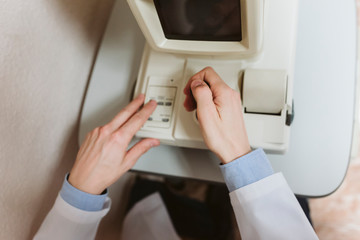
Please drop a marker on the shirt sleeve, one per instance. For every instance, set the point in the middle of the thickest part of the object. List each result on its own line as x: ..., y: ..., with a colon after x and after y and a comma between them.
x: 247, y: 169
x: 82, y: 200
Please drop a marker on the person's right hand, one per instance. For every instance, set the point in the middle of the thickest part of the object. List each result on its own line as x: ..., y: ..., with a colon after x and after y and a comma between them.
x: 219, y: 112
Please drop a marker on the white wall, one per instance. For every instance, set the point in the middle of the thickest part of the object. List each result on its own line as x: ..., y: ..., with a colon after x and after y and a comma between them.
x: 47, y: 48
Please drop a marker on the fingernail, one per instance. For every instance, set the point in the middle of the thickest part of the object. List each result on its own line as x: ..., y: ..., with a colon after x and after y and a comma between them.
x: 155, y: 144
x: 196, y: 83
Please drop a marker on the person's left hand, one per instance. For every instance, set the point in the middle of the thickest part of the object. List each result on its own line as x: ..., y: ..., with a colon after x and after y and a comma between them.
x: 103, y: 157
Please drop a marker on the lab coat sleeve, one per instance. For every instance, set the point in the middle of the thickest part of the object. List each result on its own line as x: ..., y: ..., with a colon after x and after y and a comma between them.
x: 67, y: 222
x: 267, y: 209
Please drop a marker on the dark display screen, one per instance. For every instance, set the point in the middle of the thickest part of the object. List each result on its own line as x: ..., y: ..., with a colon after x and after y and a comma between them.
x: 204, y: 20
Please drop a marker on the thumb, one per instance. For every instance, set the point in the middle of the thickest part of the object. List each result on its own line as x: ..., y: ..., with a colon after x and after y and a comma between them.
x: 206, y: 109
x: 139, y: 149
x: 202, y: 94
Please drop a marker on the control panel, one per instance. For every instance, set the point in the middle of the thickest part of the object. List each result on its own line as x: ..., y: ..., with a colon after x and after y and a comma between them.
x: 165, y: 98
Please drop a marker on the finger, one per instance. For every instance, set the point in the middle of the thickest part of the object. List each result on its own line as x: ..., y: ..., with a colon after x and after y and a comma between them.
x: 208, y: 75
x: 140, y: 148
x: 190, y: 103
x: 126, y: 113
x: 206, y: 108
x: 134, y: 124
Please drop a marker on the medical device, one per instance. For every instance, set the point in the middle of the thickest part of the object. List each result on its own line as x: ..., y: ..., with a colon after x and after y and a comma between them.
x: 249, y: 43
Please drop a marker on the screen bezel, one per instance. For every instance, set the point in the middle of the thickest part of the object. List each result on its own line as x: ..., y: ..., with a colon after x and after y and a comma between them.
x: 196, y: 37
x: 252, y: 23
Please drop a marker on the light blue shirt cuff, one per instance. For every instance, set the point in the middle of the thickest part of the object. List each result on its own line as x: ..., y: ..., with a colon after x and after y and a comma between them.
x: 247, y: 169
x: 82, y: 200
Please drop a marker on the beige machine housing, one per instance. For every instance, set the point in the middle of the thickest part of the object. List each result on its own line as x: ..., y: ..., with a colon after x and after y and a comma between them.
x: 260, y: 67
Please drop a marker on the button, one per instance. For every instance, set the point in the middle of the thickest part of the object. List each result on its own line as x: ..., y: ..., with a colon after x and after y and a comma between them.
x: 150, y: 119
x: 160, y: 103
x: 168, y: 103
x: 165, y: 120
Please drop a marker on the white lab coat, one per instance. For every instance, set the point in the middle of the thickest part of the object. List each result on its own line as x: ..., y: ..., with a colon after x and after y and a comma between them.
x: 266, y: 209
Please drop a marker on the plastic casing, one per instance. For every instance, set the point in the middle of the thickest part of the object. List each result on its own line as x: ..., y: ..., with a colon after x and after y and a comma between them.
x: 269, y: 33
x: 252, y: 32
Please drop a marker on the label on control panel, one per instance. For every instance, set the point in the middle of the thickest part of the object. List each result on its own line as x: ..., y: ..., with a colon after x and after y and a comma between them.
x: 165, y: 98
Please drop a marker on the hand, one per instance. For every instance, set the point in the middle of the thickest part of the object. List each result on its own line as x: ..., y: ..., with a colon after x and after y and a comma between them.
x: 219, y: 112
x: 103, y: 157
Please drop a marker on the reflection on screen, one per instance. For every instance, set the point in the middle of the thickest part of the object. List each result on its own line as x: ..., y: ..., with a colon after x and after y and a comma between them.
x: 206, y: 20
